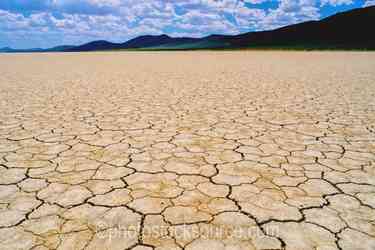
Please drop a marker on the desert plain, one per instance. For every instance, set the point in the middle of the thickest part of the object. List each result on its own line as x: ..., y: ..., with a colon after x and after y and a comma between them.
x: 187, y: 150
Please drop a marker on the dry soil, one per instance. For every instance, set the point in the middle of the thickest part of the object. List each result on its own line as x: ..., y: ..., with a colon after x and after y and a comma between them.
x: 187, y: 150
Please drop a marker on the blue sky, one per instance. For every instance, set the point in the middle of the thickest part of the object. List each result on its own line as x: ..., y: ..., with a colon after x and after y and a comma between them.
x: 47, y: 23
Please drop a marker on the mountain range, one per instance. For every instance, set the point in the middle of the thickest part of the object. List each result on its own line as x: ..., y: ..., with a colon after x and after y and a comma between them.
x: 345, y: 30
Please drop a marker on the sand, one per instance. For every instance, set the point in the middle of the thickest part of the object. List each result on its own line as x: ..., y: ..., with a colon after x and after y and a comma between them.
x: 187, y: 150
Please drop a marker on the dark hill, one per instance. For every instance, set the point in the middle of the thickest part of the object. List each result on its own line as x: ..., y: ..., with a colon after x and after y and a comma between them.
x: 135, y: 43
x: 344, y: 30
x: 151, y: 41
x: 95, y: 46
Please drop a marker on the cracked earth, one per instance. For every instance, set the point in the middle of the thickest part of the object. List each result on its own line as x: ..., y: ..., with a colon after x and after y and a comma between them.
x: 187, y: 150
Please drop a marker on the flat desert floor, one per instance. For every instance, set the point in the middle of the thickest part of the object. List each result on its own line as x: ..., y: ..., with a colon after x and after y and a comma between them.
x: 187, y: 150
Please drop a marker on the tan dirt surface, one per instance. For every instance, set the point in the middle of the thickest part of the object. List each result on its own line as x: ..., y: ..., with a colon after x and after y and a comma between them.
x: 187, y: 150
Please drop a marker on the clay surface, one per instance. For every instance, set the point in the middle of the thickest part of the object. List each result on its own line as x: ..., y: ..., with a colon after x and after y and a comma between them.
x: 187, y: 150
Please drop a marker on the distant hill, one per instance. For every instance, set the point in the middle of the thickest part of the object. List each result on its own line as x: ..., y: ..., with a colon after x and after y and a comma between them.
x: 135, y: 43
x: 95, y: 46
x: 5, y: 49
x: 10, y: 50
x: 346, y: 30
x: 61, y: 48
x: 152, y: 41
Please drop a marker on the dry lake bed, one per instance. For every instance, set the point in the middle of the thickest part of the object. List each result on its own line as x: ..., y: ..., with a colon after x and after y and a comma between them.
x: 187, y: 150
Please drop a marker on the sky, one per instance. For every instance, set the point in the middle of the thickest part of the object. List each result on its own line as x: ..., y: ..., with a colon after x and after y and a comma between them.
x: 47, y: 23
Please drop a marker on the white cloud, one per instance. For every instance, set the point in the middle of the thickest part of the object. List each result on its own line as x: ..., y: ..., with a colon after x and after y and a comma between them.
x: 369, y: 3
x: 336, y: 2
x: 288, y: 12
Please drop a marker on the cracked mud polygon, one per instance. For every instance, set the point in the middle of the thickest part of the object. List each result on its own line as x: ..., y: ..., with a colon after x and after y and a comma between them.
x: 187, y: 150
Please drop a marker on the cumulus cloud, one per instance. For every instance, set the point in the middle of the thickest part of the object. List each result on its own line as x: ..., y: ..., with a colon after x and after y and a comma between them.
x: 336, y: 2
x: 290, y: 12
x: 369, y: 3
